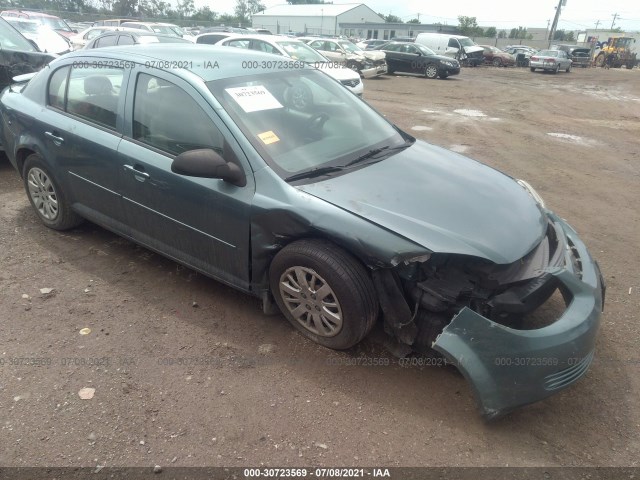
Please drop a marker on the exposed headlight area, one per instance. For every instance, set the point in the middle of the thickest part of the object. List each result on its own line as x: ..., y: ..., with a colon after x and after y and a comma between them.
x: 531, y: 191
x: 448, y: 63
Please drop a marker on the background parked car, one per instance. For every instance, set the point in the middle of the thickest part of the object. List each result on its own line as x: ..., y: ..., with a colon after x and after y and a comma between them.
x: 299, y: 51
x: 161, y: 28
x: 79, y: 40
x: 497, y: 57
x: 368, y: 63
x: 130, y: 37
x: 211, y: 38
x: 415, y: 58
x: 521, y: 53
x: 47, y: 40
x: 51, y: 21
x: 371, y: 44
x: 18, y: 55
x: 550, y: 60
x: 580, y: 56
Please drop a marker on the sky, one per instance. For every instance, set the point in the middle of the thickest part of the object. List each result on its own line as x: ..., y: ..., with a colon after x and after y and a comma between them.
x: 503, y: 14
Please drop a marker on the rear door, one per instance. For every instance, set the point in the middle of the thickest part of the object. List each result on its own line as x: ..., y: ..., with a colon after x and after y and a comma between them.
x: 81, y: 127
x: 201, y: 222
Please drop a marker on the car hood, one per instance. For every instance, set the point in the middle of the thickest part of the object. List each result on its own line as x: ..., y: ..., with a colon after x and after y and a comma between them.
x: 374, y: 55
x: 337, y: 72
x: 441, y: 200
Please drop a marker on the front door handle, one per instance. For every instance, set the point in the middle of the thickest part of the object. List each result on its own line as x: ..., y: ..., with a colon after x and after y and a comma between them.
x: 56, y: 139
x: 139, y: 174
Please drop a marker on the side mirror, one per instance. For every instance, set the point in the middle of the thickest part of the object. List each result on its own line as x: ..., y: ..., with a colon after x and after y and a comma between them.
x: 206, y: 163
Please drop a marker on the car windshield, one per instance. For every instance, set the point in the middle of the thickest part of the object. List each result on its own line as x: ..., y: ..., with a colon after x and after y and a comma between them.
x: 177, y: 30
x: 350, y: 47
x: 10, y: 39
x: 163, y: 29
x: 548, y: 53
x: 424, y: 50
x: 303, y: 121
x: 301, y: 51
x: 466, y: 42
x: 25, y: 26
x: 55, y: 23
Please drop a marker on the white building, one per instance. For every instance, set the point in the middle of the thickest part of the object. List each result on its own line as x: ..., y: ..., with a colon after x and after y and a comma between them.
x: 319, y: 19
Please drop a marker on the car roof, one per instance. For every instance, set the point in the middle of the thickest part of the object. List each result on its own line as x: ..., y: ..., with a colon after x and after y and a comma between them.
x: 30, y: 14
x: 199, y: 57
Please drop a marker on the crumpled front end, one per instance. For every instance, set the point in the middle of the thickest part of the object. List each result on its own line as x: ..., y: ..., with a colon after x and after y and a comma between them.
x: 518, y: 333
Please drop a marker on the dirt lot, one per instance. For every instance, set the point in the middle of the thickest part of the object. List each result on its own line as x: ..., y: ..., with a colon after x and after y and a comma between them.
x: 249, y: 390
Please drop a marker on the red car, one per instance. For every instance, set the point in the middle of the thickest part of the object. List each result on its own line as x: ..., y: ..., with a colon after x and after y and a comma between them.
x: 497, y: 57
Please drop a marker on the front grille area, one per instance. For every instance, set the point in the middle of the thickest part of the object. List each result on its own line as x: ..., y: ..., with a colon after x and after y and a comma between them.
x: 566, y: 377
x: 351, y: 83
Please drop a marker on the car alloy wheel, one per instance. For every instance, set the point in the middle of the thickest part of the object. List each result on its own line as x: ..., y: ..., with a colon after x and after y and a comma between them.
x: 43, y: 194
x: 497, y: 62
x: 431, y: 71
x: 46, y: 196
x: 311, y: 301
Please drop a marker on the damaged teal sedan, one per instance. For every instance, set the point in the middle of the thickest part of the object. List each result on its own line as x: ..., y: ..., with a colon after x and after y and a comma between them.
x: 271, y: 177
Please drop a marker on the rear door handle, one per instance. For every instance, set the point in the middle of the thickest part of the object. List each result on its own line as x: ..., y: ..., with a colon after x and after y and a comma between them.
x: 56, y: 139
x: 140, y: 175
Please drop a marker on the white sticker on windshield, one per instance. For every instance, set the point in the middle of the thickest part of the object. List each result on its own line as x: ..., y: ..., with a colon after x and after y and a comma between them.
x: 254, y: 99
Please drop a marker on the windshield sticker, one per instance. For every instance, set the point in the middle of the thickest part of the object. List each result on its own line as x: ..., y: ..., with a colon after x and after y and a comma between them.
x: 268, y: 137
x: 254, y: 99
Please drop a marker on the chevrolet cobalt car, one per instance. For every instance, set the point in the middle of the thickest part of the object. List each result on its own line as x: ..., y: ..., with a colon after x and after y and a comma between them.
x: 271, y: 177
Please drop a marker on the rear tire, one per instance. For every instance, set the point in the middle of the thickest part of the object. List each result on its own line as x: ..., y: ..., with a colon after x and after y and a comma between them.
x: 497, y: 62
x: 324, y: 292
x: 569, y: 68
x: 532, y: 69
x: 46, y: 196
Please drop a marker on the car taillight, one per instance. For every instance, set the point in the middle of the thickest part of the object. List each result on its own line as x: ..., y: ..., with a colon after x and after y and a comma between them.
x: 551, y: 60
x: 534, y: 58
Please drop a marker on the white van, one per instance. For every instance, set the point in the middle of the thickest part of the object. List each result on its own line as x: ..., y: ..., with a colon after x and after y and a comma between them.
x: 455, y: 46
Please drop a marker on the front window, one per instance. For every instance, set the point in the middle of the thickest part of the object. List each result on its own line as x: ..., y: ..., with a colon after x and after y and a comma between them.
x: 302, y: 120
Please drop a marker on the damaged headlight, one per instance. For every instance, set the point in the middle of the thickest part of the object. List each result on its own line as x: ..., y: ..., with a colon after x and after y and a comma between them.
x: 535, y: 195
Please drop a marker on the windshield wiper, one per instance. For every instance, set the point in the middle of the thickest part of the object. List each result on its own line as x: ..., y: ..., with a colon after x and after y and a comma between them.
x: 315, y: 172
x: 376, y: 151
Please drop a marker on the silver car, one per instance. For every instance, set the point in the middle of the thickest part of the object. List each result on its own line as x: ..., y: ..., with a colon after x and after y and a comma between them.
x: 552, y: 60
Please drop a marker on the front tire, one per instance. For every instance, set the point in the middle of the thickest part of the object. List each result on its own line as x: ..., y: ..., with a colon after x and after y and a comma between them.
x: 46, y: 196
x: 532, y: 69
x: 324, y: 292
x: 431, y: 71
x: 497, y: 62
x: 569, y: 68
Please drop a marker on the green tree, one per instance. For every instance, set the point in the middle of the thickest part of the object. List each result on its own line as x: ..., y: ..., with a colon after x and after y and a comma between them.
x: 414, y: 20
x: 469, y: 26
x: 185, y: 8
x: 391, y: 18
x: 204, y: 14
x: 502, y: 34
x: 305, y: 2
x: 491, y: 32
x: 519, y: 32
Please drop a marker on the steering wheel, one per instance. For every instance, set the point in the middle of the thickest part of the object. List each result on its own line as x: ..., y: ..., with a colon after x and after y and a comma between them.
x: 299, y: 97
x: 315, y: 123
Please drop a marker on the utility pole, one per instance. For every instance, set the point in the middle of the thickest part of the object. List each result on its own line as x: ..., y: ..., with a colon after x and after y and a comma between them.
x: 615, y: 15
x: 597, y: 23
x: 555, y: 20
